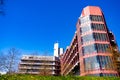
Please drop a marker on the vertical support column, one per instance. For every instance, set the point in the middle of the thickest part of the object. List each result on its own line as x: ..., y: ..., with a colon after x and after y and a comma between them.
x: 79, y: 49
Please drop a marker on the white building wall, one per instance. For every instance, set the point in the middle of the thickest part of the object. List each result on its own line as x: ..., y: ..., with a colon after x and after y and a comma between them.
x: 61, y: 51
x: 56, y: 49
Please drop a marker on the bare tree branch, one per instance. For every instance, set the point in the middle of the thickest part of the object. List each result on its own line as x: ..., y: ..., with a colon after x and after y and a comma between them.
x: 8, y: 61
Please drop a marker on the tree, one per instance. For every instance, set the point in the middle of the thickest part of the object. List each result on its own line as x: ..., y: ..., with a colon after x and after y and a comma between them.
x: 2, y: 61
x: 115, y: 56
x: 9, y: 60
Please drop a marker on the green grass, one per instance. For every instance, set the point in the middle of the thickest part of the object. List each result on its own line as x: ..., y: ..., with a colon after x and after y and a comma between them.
x: 37, y: 77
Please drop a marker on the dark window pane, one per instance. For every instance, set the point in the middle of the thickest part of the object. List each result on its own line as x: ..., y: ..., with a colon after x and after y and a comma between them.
x: 96, y: 18
x: 101, y: 47
x: 96, y: 26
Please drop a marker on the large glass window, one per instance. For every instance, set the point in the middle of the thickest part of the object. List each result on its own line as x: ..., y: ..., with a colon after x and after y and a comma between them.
x: 91, y: 18
x: 93, y: 48
x: 100, y: 36
x: 93, y: 26
x: 96, y: 26
x: 88, y: 49
x: 96, y: 18
x: 94, y: 36
x: 91, y: 63
x: 98, y: 62
x: 101, y: 47
x: 85, y: 29
x: 87, y: 38
x: 105, y: 62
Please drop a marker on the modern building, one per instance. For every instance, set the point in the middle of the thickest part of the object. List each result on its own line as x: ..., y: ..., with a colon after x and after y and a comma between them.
x: 87, y: 54
x: 70, y: 59
x: 41, y: 65
x: 58, y: 51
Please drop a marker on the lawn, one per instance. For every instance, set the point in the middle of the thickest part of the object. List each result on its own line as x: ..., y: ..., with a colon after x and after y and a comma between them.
x: 37, y: 77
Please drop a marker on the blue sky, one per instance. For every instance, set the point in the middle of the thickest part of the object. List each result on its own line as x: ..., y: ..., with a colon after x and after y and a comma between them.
x: 35, y: 25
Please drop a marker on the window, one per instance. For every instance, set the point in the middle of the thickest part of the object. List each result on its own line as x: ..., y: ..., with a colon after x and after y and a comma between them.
x: 105, y: 62
x: 96, y: 26
x: 92, y: 26
x: 101, y: 47
x: 100, y: 36
x: 85, y: 29
x: 91, y: 63
x: 87, y: 38
x: 96, y: 18
x: 97, y: 62
x: 93, y: 48
x: 88, y: 49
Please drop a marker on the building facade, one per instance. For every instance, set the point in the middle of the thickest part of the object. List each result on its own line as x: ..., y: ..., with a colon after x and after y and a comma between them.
x: 87, y: 53
x: 57, y: 50
x: 70, y: 59
x: 41, y: 65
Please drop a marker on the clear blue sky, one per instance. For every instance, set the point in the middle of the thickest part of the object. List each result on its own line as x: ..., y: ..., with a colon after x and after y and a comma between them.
x: 35, y: 25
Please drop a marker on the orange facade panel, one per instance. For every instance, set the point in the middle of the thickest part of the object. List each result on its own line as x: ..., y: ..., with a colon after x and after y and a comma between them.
x: 91, y: 10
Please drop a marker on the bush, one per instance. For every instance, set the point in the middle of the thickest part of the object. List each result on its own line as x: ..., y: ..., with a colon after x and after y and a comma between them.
x: 38, y: 77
